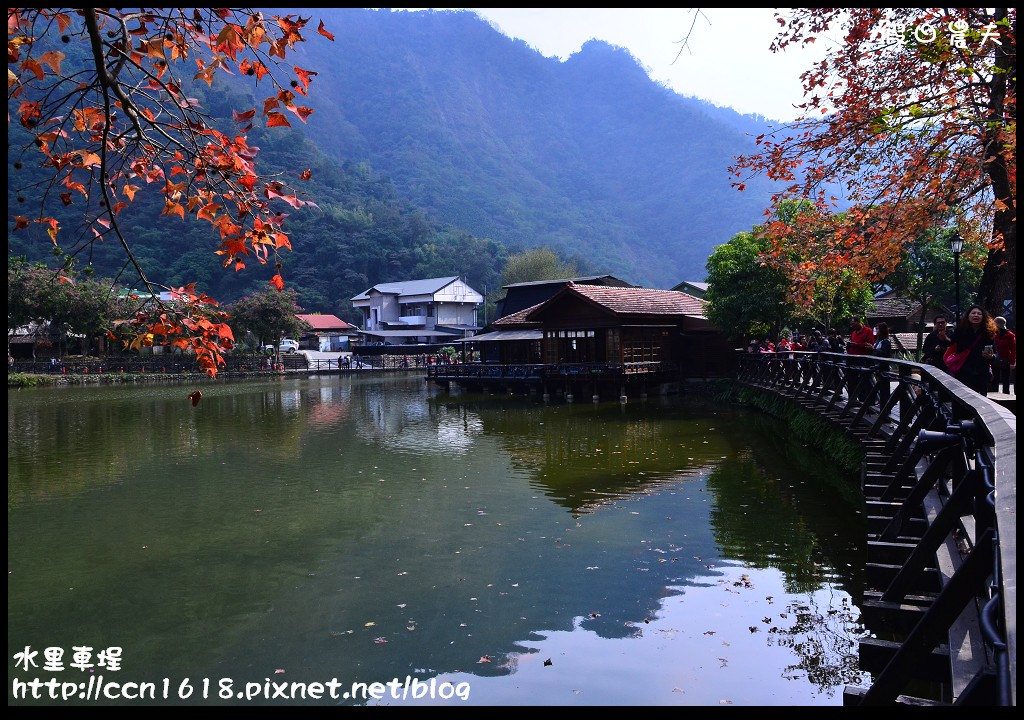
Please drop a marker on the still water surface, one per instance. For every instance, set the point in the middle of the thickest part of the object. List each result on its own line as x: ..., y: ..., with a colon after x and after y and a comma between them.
x: 662, y: 552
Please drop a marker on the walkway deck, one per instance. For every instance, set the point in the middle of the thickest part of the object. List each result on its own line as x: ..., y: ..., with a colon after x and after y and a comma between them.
x: 939, y: 483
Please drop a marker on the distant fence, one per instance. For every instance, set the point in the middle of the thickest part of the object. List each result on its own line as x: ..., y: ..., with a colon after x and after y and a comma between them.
x: 368, y: 358
x: 166, y: 364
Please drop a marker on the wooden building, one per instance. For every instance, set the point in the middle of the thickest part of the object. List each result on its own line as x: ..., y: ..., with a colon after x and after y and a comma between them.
x: 607, y: 338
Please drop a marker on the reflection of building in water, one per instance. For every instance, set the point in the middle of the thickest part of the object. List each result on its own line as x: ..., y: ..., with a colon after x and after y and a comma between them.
x: 414, y: 426
x: 328, y: 405
x: 290, y: 400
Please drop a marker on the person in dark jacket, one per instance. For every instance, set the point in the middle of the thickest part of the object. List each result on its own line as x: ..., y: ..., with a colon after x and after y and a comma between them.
x: 976, y: 332
x: 835, y: 342
x: 936, y: 342
x: 883, y: 343
x: 882, y: 349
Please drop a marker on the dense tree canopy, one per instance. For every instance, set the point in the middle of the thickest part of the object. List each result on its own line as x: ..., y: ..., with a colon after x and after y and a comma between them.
x: 269, y: 315
x: 119, y: 121
x: 746, y: 296
x: 913, y: 115
x: 536, y: 264
x: 925, y: 274
x: 71, y: 304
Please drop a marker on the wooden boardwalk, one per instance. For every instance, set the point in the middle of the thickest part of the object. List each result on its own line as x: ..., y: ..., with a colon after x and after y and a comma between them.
x: 939, y: 484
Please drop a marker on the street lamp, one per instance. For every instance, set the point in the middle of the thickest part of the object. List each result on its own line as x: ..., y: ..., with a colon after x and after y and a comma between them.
x: 956, y: 245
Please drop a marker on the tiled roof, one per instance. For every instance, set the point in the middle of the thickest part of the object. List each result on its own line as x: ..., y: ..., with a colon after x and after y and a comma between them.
x: 409, y: 287
x: 326, y: 322
x: 908, y: 340
x: 584, y: 279
x: 703, y: 286
x: 641, y: 301
x: 894, y: 307
x: 518, y: 319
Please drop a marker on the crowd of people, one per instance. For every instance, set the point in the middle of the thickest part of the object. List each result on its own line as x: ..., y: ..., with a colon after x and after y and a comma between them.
x: 980, y: 351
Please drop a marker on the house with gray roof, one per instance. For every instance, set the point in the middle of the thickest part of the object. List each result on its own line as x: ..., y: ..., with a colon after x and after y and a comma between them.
x: 432, y: 310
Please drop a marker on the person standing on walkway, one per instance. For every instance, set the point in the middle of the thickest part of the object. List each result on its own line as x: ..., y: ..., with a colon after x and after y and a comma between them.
x: 1005, y: 363
x: 882, y: 349
x: 861, y: 343
x: 862, y: 339
x: 835, y: 342
x: 975, y: 334
x: 936, y: 343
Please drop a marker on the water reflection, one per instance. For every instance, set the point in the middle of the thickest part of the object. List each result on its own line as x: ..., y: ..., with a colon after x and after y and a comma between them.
x: 372, y: 528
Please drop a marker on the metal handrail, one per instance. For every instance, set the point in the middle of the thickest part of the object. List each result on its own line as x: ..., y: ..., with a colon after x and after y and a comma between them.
x: 897, y: 400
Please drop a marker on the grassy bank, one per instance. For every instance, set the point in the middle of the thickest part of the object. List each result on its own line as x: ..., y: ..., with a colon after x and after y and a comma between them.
x: 809, y: 428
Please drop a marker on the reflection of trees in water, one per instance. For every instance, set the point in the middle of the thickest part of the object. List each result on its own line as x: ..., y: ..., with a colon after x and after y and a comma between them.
x: 825, y: 640
x: 60, y: 445
x: 584, y: 456
x: 771, y: 514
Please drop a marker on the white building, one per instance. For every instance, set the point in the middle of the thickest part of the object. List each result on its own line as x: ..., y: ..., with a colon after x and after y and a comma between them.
x: 419, y: 311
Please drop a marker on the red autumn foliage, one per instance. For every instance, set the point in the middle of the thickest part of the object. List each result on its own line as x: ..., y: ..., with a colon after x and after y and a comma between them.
x: 912, y: 113
x: 105, y: 138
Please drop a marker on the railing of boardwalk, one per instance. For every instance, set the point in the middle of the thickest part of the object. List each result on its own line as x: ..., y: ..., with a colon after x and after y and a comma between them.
x: 538, y: 371
x: 939, y: 482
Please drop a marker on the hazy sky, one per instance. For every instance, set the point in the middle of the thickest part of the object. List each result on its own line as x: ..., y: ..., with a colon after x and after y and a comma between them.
x: 728, y: 62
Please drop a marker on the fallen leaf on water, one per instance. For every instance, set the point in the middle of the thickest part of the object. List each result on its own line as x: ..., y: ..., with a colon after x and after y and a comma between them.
x: 753, y: 628
x: 370, y: 624
x: 279, y: 671
x: 195, y: 397
x: 380, y: 640
x: 484, y: 659
x: 547, y: 662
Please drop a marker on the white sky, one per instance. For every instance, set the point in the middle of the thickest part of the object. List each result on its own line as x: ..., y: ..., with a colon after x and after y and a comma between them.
x: 728, y: 62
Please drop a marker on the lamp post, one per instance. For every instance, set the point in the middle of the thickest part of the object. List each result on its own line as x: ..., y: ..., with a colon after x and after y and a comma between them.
x: 956, y: 245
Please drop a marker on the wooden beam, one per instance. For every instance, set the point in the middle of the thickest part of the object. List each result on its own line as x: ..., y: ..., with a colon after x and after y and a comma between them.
x: 875, y: 654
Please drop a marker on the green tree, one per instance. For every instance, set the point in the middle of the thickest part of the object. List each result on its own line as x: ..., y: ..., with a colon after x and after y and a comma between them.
x: 100, y: 93
x: 536, y: 264
x: 69, y: 302
x: 835, y: 296
x: 915, y: 121
x: 269, y: 315
x: 746, y: 295
x: 926, y: 271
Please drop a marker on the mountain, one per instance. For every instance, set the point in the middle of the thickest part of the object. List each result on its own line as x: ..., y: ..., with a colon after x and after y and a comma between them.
x: 438, y: 146
x: 589, y: 156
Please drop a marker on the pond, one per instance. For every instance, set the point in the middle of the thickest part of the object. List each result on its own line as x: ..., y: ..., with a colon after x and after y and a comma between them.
x: 287, y: 538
